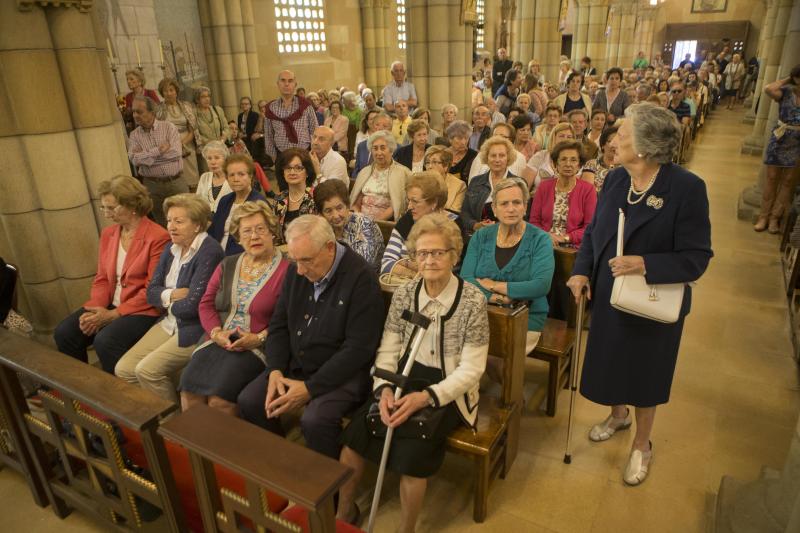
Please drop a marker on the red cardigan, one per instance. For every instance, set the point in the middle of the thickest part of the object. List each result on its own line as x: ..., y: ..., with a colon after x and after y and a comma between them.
x: 150, y: 93
x: 582, y: 201
x: 143, y: 253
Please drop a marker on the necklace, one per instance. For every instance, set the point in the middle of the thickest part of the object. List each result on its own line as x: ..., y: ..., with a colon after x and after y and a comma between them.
x: 632, y: 191
x: 256, y: 271
x: 510, y: 239
x: 295, y: 200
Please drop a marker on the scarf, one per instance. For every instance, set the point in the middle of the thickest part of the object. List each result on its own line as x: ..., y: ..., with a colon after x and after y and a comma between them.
x: 288, y: 122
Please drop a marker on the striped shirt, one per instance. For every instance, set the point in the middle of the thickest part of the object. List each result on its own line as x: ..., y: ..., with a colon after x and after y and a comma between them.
x: 275, y: 138
x: 144, y: 152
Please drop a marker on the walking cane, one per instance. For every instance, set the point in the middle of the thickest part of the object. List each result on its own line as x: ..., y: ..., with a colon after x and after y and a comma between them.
x: 573, y: 371
x: 421, y: 323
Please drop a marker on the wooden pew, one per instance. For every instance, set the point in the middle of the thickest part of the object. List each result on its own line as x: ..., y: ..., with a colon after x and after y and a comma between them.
x: 268, y: 463
x: 386, y: 229
x: 74, y: 450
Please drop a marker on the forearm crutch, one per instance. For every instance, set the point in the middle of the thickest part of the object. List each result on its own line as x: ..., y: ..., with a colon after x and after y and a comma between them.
x: 574, y: 369
x: 421, y: 323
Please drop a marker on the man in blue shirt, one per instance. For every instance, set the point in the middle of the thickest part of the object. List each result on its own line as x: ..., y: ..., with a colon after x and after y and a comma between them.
x: 676, y: 104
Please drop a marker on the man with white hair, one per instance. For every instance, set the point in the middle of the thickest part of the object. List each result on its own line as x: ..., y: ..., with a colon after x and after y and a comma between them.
x: 328, y: 163
x: 323, y: 335
x: 399, y: 89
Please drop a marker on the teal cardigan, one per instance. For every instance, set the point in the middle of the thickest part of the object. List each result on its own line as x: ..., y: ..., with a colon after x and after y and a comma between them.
x: 528, y: 274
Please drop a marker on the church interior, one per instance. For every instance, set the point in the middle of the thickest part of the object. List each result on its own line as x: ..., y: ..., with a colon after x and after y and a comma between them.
x: 107, y: 105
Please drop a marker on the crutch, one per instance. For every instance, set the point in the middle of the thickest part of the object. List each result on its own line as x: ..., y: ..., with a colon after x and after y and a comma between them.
x: 573, y: 371
x: 421, y: 323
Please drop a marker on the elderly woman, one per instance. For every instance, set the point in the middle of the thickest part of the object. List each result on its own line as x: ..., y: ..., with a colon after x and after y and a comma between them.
x: 445, y: 375
x: 498, y: 153
x: 294, y: 166
x: 540, y: 166
x: 359, y: 232
x: 339, y: 124
x: 564, y: 206
x: 315, y: 104
x: 449, y: 115
x: 367, y: 127
x: 512, y: 260
x: 235, y: 312
x: 136, y: 81
x: 412, y: 155
x: 211, y: 122
x: 564, y: 72
x: 734, y: 75
x: 213, y: 185
x: 523, y: 140
x: 597, y: 126
x: 630, y: 360
x: 117, y: 313
x: 380, y: 188
x: 612, y: 99
x: 426, y: 194
x: 438, y: 158
x: 424, y: 114
x: 532, y: 88
x: 178, y: 284
x: 458, y: 136
x: 350, y: 108
x: 182, y: 116
x: 523, y: 103
x: 574, y: 98
x: 552, y: 116
x: 596, y: 170
x: 239, y: 170
x: 783, y: 151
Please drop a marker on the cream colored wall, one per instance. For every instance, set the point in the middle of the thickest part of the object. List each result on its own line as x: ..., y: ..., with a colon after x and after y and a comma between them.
x: 341, y: 64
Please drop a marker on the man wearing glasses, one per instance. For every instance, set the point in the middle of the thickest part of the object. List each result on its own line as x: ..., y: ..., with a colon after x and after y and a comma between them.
x: 322, y: 338
x: 676, y: 104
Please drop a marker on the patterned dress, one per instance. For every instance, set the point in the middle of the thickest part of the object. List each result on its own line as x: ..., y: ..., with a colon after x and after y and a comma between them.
x: 784, y: 150
x: 376, y: 193
x: 307, y: 207
x: 560, y: 213
x: 364, y: 237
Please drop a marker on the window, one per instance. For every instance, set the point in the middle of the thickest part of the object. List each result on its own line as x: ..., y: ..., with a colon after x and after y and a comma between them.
x: 401, y: 24
x: 480, y: 7
x: 300, y: 26
x: 681, y: 49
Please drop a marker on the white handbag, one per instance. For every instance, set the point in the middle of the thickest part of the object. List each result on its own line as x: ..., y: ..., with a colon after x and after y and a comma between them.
x: 631, y: 293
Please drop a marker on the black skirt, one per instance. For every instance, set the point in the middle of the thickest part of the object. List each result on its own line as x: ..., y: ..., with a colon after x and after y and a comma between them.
x: 214, y: 371
x: 407, y: 456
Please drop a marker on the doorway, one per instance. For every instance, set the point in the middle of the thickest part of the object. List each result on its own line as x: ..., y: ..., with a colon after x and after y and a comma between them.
x: 681, y: 49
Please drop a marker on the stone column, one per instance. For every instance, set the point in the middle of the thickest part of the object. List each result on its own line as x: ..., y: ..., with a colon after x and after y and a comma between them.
x: 643, y: 35
x: 547, y: 43
x: 374, y: 28
x: 626, y: 11
x: 612, y: 41
x: 523, y: 32
x: 64, y: 138
x: 766, y: 30
x: 439, y: 55
x: 595, y: 34
x: 229, y: 42
x: 580, y: 33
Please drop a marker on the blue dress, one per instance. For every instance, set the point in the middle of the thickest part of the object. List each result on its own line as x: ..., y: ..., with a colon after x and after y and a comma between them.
x: 785, y: 152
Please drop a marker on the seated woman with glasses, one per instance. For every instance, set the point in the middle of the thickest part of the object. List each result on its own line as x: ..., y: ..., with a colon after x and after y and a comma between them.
x: 439, y: 159
x: 444, y: 377
x: 235, y: 312
x: 294, y: 166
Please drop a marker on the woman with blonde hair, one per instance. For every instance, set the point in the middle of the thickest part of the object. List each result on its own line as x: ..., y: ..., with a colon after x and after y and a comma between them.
x: 438, y: 158
x: 540, y: 166
x: 498, y: 153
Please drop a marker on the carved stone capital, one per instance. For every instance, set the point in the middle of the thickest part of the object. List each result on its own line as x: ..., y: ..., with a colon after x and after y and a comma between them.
x: 83, y: 5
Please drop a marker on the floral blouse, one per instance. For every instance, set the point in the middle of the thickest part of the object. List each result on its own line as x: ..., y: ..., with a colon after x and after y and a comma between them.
x: 364, y: 237
x: 281, y: 207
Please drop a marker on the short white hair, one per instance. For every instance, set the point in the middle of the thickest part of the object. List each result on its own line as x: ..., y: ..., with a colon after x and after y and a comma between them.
x: 386, y: 136
x: 656, y: 131
x: 215, y: 146
x: 316, y: 227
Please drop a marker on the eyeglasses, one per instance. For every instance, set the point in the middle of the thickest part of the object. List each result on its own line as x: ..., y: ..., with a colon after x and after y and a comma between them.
x: 436, y: 255
x: 295, y: 169
x: 676, y: 91
x: 109, y: 208
x: 249, y: 232
x: 414, y: 202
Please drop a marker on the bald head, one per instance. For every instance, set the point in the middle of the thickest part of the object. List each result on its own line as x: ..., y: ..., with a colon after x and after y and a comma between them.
x: 287, y: 83
x: 322, y: 141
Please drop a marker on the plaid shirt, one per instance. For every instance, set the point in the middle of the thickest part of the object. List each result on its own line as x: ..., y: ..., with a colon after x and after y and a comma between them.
x: 145, y: 155
x: 275, y: 138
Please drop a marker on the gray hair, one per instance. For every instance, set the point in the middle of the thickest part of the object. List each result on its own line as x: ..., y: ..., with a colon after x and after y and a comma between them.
x: 198, y: 92
x: 215, y: 146
x: 458, y: 128
x: 386, y: 136
x: 148, y: 102
x: 445, y: 107
x: 656, y: 131
x: 508, y: 183
x: 316, y: 227
x: 396, y: 63
x: 349, y: 97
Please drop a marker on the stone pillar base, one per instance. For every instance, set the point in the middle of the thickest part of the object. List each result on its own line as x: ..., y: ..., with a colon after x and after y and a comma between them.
x: 749, y: 117
x: 749, y: 203
x: 753, y: 145
x: 741, y: 507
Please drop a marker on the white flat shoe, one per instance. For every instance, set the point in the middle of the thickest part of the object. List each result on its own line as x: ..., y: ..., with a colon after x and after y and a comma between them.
x: 609, y: 426
x: 638, y: 466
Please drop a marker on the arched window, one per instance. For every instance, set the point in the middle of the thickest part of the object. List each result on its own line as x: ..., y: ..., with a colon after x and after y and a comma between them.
x: 401, y: 24
x: 480, y: 36
x: 300, y: 26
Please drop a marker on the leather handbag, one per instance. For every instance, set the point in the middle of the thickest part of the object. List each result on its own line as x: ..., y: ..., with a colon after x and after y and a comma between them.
x: 633, y: 295
x: 420, y: 425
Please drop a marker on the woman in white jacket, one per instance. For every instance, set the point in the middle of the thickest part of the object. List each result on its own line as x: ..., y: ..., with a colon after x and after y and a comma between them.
x: 213, y: 184
x: 445, y: 375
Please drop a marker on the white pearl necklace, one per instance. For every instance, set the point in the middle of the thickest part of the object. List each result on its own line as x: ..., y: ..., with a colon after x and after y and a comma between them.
x: 632, y: 191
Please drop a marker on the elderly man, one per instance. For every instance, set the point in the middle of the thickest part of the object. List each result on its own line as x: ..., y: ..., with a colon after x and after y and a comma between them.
x: 328, y: 163
x: 502, y: 64
x: 399, y: 89
x: 289, y: 121
x: 155, y: 151
x: 322, y: 338
x: 677, y: 103
x: 381, y: 122
x: 247, y: 120
x: 481, y: 118
x: 400, y: 122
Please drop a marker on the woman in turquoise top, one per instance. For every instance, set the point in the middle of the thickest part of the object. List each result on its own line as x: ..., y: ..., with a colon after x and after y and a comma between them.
x: 512, y: 260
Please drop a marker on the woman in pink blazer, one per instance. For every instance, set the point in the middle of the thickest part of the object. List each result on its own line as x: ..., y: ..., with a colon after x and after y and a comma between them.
x: 564, y: 206
x: 117, y: 313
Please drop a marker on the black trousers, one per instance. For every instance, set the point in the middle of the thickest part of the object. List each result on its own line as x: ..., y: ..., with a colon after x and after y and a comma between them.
x: 110, y: 343
x: 321, y: 421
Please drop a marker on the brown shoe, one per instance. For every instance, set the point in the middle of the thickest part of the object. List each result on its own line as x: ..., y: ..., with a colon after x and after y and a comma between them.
x: 774, y: 226
x: 761, y: 224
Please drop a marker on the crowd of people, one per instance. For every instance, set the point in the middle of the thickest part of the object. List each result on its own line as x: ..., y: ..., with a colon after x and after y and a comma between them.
x: 215, y: 287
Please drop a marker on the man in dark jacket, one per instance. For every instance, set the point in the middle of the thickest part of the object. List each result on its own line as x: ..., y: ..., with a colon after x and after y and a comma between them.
x: 322, y: 338
x: 247, y: 121
x: 502, y: 64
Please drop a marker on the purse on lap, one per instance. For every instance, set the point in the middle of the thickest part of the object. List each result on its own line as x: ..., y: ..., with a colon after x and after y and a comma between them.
x: 633, y: 295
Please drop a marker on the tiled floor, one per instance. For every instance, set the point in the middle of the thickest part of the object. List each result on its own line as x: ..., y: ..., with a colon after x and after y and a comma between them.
x: 734, y: 404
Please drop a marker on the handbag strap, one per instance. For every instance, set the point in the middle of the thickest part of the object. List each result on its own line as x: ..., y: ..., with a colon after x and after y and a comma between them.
x: 620, y: 233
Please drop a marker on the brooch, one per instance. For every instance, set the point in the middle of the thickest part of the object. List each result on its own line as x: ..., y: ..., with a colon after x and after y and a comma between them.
x: 655, y: 202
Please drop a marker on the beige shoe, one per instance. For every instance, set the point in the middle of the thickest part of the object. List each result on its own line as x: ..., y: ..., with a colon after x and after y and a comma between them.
x: 761, y: 224
x: 774, y: 226
x: 609, y: 426
x: 638, y: 467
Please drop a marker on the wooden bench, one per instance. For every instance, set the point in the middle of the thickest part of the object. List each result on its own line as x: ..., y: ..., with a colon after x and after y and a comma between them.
x: 267, y: 462
x: 557, y: 342
x: 387, y: 227
x: 74, y: 450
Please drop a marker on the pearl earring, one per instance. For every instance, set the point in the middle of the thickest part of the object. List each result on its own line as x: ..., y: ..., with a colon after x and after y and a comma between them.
x: 640, y: 155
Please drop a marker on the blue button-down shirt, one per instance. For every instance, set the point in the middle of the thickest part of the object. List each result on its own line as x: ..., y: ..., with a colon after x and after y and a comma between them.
x: 321, y: 285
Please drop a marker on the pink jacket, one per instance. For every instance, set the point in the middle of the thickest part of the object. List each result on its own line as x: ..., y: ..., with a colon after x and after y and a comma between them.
x: 582, y: 201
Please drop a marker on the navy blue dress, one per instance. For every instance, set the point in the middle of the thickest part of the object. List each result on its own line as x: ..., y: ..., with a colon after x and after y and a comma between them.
x: 631, y: 360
